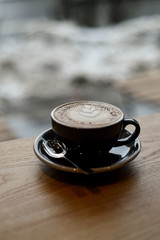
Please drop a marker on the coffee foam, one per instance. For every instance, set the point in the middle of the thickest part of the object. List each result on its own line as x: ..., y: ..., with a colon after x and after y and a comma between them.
x: 87, y: 114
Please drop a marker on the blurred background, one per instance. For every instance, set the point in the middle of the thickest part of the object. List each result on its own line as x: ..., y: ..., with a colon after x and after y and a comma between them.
x: 55, y: 51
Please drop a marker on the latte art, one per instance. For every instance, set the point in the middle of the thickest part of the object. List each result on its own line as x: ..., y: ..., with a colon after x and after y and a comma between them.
x: 89, y: 111
x: 87, y: 114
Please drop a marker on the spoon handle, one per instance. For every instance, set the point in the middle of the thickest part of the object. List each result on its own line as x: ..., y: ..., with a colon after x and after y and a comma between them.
x: 83, y: 168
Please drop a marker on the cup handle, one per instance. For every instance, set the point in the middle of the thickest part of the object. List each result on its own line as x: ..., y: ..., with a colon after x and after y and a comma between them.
x: 133, y: 136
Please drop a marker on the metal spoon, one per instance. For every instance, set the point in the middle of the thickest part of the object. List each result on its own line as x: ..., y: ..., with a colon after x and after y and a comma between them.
x: 50, y: 146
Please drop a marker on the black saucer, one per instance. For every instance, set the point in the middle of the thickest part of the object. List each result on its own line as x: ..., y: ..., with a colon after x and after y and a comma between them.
x: 116, y: 158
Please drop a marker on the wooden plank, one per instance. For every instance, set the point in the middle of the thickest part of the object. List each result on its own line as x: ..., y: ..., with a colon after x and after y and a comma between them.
x: 38, y: 202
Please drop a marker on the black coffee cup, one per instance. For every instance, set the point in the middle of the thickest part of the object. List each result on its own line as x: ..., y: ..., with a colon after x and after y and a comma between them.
x: 83, y: 131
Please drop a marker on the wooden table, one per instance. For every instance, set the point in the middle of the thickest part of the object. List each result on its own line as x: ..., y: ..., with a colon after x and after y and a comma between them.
x: 37, y: 202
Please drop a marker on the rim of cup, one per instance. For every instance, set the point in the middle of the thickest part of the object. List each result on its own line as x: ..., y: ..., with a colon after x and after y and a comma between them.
x: 86, y: 127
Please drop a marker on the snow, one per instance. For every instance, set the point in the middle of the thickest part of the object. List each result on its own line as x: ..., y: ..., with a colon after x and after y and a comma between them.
x: 45, y: 57
x: 44, y: 63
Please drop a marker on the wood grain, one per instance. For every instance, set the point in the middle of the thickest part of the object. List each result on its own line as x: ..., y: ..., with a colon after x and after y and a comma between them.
x: 37, y: 202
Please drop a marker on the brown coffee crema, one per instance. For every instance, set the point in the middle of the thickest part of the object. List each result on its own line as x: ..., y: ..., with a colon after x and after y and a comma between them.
x: 87, y: 114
